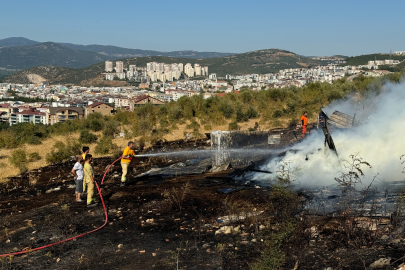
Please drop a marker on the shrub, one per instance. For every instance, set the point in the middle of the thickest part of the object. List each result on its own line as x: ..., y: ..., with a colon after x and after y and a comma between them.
x: 32, y: 157
x: 251, y: 113
x: 111, y: 128
x: 8, y: 141
x: 142, y: 142
x: 95, y: 125
x: 208, y: 127
x: 193, y: 125
x: 19, y: 159
x: 233, y: 126
x: 105, y: 145
x: 86, y: 137
x: 240, y: 116
x: 277, y: 114
x: 63, y: 151
x: 34, y: 140
x: 227, y: 109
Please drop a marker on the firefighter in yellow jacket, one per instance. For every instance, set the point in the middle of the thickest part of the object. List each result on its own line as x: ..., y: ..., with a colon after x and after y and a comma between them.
x: 89, y: 181
x: 127, y: 156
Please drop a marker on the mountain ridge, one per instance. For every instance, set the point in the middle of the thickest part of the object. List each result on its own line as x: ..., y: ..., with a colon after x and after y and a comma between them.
x: 109, y: 51
x: 262, y: 61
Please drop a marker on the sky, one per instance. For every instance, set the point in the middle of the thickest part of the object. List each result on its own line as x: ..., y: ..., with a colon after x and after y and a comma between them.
x: 310, y: 27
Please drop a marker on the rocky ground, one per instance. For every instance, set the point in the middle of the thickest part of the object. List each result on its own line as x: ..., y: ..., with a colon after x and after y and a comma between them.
x: 202, y: 221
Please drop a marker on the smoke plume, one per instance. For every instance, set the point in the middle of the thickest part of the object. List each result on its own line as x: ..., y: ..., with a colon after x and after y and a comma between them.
x: 379, y: 138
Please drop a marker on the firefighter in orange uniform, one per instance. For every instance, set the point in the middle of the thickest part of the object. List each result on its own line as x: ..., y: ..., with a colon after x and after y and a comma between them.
x: 304, y: 123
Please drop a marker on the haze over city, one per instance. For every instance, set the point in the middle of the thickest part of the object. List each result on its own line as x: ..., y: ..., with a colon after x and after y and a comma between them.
x: 310, y: 28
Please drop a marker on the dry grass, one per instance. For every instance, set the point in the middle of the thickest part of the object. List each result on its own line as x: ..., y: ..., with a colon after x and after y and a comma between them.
x: 8, y: 170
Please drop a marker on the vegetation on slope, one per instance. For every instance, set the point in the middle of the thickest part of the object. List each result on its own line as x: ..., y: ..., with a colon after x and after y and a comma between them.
x: 264, y: 61
x: 363, y: 59
x: 273, y: 106
x: 47, y: 53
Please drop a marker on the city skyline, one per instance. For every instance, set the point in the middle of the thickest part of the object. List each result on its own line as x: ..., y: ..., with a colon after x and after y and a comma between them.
x: 313, y: 28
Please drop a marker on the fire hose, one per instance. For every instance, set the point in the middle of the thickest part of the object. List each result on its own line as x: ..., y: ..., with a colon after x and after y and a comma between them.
x: 77, y: 236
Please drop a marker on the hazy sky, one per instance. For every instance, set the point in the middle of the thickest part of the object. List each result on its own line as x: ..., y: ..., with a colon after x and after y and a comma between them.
x: 305, y: 27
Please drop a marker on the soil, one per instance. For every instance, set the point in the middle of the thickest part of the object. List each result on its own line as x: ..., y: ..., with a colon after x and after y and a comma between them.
x: 171, y: 223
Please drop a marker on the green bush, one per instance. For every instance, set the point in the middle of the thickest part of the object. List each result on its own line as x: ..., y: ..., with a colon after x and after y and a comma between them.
x: 207, y: 127
x: 34, y: 140
x: 251, y: 113
x: 95, y: 125
x: 62, y: 152
x: 233, y: 126
x: 86, y: 137
x: 277, y: 114
x: 32, y: 157
x: 240, y: 116
x: 227, y: 109
x: 111, y: 128
x: 19, y: 159
x: 193, y: 125
x: 105, y: 145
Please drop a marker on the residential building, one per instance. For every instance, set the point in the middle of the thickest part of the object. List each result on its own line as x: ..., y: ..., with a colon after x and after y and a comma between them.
x: 61, y: 114
x: 119, y: 67
x: 5, y: 110
x: 28, y: 116
x: 109, y: 77
x: 197, y: 70
x: 108, y: 66
x: 99, y: 107
x: 143, y: 100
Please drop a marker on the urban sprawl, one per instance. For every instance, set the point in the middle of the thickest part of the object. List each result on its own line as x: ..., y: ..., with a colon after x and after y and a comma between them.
x: 158, y: 83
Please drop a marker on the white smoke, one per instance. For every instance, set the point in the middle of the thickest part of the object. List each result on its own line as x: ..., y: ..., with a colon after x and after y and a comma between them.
x: 379, y: 139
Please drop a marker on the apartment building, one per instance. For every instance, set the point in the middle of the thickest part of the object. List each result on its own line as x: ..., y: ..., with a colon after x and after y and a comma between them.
x: 108, y: 66
x: 119, y: 67
x: 61, y: 114
x: 28, y: 116
x: 143, y: 100
x: 99, y: 107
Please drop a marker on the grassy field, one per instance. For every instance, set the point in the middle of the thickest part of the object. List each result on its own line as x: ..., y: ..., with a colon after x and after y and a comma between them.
x: 43, y: 149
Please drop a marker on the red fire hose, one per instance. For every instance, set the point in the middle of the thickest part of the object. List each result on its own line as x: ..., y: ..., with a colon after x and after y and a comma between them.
x: 75, y: 237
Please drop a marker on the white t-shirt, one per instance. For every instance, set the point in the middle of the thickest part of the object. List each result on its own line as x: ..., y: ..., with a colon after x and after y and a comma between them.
x: 79, y: 171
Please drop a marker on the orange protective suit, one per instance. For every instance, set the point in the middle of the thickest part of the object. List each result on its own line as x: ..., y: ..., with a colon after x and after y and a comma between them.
x: 304, y: 123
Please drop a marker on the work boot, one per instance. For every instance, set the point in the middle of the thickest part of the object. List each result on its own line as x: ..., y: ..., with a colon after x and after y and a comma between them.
x: 122, y: 184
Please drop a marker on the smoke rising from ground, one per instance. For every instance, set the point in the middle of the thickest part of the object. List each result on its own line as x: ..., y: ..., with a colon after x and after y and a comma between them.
x: 379, y: 139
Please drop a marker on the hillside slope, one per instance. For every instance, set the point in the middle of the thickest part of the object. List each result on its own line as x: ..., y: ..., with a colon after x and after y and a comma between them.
x: 17, y: 41
x: 115, y: 52
x: 47, y: 53
x: 363, y: 59
x: 263, y: 61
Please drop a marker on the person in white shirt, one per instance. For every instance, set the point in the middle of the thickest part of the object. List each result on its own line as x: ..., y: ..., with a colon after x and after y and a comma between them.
x: 78, y: 173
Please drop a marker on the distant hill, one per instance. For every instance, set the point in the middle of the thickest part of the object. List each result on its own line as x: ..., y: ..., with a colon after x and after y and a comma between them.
x: 17, y: 41
x: 48, y: 53
x: 263, y: 61
x: 117, y: 52
x: 106, y: 52
x: 363, y: 59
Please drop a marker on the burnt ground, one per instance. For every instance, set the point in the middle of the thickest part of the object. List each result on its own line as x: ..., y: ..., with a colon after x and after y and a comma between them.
x: 171, y: 223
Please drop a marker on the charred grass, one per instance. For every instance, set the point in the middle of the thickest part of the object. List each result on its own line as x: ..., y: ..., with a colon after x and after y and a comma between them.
x: 172, y: 223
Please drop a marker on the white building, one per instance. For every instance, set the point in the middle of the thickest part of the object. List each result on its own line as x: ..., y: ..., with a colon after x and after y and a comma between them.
x: 108, y: 66
x: 197, y: 69
x: 119, y: 67
x: 109, y: 76
x: 212, y: 76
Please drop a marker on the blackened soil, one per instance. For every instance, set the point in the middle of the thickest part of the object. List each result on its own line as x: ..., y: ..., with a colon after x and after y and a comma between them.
x: 171, y: 223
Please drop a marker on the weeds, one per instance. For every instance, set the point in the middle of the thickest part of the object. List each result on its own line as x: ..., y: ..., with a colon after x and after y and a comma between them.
x: 32, y: 157
x: 176, y: 197
x: 354, y: 172
x: 19, y: 159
